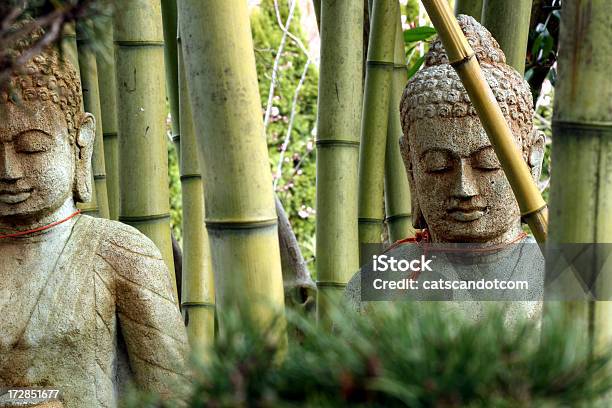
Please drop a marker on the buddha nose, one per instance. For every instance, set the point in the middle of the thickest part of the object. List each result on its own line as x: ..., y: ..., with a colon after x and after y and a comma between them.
x: 10, y: 167
x: 464, y: 184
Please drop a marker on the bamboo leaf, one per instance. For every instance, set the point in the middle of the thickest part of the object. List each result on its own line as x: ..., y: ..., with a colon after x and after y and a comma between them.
x: 415, y: 67
x: 543, y: 45
x: 418, y: 34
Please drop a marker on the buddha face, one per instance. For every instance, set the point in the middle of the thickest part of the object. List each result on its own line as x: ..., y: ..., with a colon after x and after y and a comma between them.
x: 458, y: 184
x: 40, y: 169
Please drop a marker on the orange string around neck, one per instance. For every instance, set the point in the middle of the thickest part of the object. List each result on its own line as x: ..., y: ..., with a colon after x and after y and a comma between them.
x: 43, y: 228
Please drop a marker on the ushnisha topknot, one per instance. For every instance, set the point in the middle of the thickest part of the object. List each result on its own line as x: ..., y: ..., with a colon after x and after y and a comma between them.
x: 46, y: 77
x: 437, y: 91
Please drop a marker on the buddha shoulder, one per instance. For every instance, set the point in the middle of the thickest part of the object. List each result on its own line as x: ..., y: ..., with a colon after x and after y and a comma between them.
x: 130, y: 254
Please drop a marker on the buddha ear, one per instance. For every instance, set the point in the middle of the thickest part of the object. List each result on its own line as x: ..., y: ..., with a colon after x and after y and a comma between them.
x: 536, y: 154
x: 83, y: 150
x: 418, y: 220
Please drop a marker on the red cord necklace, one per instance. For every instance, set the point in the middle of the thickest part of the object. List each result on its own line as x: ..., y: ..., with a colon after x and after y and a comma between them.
x: 43, y: 228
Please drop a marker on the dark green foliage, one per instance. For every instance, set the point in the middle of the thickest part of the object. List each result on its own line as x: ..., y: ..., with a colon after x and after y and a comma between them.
x: 417, y: 356
x: 543, y: 44
x: 296, y: 187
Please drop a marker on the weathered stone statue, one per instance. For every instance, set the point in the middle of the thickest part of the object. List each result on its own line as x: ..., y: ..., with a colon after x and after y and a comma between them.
x: 86, y: 305
x: 460, y: 194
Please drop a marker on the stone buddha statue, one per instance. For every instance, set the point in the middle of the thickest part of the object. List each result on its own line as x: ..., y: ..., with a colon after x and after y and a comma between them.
x: 86, y: 305
x: 461, y: 197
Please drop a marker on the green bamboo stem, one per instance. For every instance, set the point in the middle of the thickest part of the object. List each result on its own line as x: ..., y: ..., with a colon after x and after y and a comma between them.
x: 91, y: 102
x: 70, y: 53
x: 469, y: 7
x: 338, y: 121
x: 317, y: 10
x: 141, y: 110
x: 198, y: 295
x: 375, y: 120
x: 397, y: 190
x: 581, y: 188
x: 108, y: 108
x: 240, y: 214
x: 508, y: 21
x: 170, y: 18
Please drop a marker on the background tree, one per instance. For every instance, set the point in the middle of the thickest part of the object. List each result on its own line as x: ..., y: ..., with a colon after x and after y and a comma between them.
x: 142, y: 122
x: 338, y: 122
x: 105, y: 59
x: 509, y: 24
x: 240, y: 216
x: 397, y: 192
x: 295, y: 102
x: 91, y: 103
x: 198, y: 288
x: 581, y: 188
x: 375, y: 118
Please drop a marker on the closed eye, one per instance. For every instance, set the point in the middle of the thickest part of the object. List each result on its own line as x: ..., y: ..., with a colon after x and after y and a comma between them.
x: 33, y: 141
x: 485, y: 159
x: 437, y: 161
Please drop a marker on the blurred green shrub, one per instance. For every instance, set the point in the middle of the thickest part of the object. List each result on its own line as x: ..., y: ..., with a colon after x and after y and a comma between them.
x: 415, y: 355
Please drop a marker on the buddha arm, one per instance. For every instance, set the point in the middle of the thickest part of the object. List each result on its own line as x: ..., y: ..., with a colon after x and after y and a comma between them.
x: 150, y: 321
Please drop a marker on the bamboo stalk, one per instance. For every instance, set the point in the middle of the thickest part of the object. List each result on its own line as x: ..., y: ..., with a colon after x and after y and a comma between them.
x: 581, y: 187
x: 338, y: 121
x: 508, y: 21
x: 170, y: 18
x: 198, y: 295
x: 141, y: 118
x: 461, y: 56
x: 469, y: 7
x: 397, y: 190
x: 70, y: 53
x: 91, y: 102
x: 240, y: 214
x: 317, y: 10
x: 108, y: 109
x: 379, y: 68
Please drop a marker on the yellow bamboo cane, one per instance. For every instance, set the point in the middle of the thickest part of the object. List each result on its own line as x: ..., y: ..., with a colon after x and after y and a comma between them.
x: 462, y: 58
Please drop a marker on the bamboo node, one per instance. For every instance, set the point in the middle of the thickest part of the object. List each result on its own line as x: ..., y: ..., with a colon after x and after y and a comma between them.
x: 336, y: 142
x: 240, y: 225
x: 143, y: 218
x: 380, y: 64
x: 331, y: 284
x: 398, y: 217
x: 583, y: 128
x: 366, y: 220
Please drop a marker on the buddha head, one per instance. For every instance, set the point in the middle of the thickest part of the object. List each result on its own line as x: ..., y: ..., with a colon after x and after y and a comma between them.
x: 459, y: 190
x: 46, y: 140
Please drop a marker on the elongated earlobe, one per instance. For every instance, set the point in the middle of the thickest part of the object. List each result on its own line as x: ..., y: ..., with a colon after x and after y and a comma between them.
x: 83, y: 152
x: 536, y: 154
